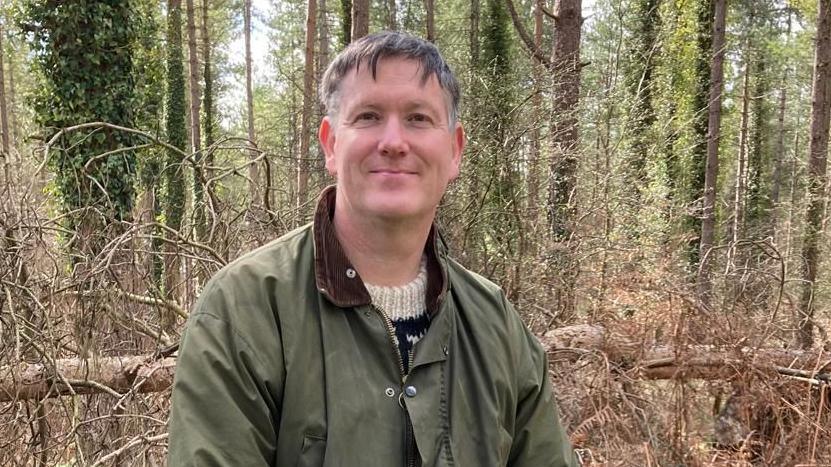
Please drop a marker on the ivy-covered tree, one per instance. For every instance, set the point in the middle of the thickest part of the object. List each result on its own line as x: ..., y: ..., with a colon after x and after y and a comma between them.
x: 498, y: 159
x: 174, y: 196
x: 694, y: 189
x: 640, y: 70
x: 83, y: 59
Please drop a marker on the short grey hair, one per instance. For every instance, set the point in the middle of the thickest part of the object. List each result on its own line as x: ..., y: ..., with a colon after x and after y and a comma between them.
x: 370, y: 49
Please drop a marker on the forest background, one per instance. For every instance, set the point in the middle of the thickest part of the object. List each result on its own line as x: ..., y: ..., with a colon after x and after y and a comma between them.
x: 645, y: 178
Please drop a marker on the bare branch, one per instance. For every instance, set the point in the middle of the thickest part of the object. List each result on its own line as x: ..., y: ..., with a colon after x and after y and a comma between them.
x: 523, y: 34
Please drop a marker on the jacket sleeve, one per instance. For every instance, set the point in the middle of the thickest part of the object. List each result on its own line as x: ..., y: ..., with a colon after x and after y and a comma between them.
x: 539, y: 437
x: 224, y: 409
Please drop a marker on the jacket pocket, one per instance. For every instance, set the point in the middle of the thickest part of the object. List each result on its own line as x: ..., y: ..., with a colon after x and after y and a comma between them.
x: 312, y: 451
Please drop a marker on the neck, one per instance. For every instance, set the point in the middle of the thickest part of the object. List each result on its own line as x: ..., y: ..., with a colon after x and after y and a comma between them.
x: 385, y: 253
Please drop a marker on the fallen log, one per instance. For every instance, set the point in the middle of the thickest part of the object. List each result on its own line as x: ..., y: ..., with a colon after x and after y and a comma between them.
x: 641, y: 360
x: 146, y: 373
x: 112, y: 375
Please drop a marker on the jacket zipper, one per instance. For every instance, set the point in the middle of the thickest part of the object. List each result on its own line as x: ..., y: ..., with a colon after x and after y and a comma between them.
x: 409, y: 438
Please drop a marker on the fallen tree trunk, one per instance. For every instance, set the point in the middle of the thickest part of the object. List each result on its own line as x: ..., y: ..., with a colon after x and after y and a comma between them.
x: 643, y: 361
x: 144, y: 373
x: 112, y: 375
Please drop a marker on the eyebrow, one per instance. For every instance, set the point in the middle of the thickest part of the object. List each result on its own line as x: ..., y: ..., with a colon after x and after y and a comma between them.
x: 416, y: 104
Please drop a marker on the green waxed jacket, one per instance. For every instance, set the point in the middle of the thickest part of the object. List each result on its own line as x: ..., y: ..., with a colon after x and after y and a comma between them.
x: 271, y: 372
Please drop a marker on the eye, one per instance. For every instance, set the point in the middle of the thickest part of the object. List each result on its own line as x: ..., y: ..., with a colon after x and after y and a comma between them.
x: 420, y: 118
x: 367, y: 117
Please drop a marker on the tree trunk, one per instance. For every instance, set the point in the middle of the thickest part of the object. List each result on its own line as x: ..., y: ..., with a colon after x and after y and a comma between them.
x: 12, y: 103
x: 4, y: 115
x: 193, y: 74
x: 323, y: 45
x: 346, y: 22
x: 737, y: 226
x: 708, y: 224
x: 692, y: 193
x: 817, y: 161
x: 537, y: 109
x: 308, y: 105
x: 639, y: 78
x: 565, y: 138
x: 195, y: 111
x: 360, y: 19
x: 204, y: 162
x: 474, y: 32
x: 253, y: 170
x: 430, y: 19
x: 565, y: 132
x: 174, y: 203
x: 392, y: 13
x: 779, y: 152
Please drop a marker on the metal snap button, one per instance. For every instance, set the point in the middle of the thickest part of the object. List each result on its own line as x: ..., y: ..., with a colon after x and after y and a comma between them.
x: 445, y: 350
x: 350, y: 273
x: 390, y: 392
x: 410, y: 391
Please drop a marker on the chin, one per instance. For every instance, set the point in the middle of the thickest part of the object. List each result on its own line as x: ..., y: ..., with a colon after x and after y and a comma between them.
x: 395, y: 211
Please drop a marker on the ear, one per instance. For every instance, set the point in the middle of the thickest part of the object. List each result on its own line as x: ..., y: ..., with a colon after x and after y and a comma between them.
x: 326, y: 135
x: 459, y: 142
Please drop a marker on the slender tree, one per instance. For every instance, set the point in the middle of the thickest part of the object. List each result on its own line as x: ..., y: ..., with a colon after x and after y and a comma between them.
x: 738, y: 214
x: 323, y: 45
x: 174, y: 196
x: 203, y: 159
x: 708, y: 224
x: 779, y: 152
x: 430, y: 19
x: 639, y: 76
x: 4, y: 114
x: 360, y: 19
x: 208, y: 116
x: 692, y: 190
x: 758, y: 217
x: 565, y: 141
x: 392, y: 13
x: 537, y: 108
x: 346, y: 22
x: 193, y: 76
x: 817, y: 178
x: 253, y: 169
x: 309, y: 98
x: 474, y: 31
x: 195, y: 112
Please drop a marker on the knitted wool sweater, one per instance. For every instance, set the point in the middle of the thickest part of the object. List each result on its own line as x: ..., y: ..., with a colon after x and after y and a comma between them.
x: 406, y: 307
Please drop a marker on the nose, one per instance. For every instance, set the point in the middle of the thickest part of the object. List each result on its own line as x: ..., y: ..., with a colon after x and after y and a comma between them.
x: 393, y: 140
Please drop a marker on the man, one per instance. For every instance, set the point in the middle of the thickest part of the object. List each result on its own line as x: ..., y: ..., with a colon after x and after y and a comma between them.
x: 355, y: 341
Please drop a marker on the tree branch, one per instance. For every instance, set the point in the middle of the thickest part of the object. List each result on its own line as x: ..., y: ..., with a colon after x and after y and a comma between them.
x: 523, y: 34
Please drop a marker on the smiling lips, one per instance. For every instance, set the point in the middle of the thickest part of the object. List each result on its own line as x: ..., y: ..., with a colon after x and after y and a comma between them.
x: 392, y: 172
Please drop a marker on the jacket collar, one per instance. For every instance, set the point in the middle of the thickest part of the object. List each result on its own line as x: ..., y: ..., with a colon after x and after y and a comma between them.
x: 342, y: 285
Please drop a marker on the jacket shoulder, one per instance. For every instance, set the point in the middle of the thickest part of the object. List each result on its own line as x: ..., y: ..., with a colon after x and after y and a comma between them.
x: 483, y: 301
x: 470, y: 282
x: 275, y: 260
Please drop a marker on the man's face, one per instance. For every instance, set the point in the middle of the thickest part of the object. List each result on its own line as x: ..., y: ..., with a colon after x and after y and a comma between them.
x: 390, y: 146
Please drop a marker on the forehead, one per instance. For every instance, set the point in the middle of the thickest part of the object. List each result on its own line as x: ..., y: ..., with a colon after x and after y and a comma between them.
x: 390, y: 71
x: 391, y: 77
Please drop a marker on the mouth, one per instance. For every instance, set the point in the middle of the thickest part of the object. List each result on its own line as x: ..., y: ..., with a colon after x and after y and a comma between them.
x: 392, y: 172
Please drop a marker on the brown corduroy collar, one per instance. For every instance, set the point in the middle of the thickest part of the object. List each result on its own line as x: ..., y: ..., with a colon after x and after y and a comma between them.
x: 338, y: 280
